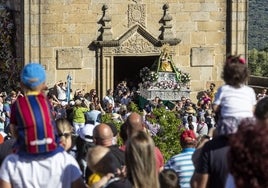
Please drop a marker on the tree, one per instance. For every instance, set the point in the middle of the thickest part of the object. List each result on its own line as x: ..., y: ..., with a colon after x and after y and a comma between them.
x: 258, y: 62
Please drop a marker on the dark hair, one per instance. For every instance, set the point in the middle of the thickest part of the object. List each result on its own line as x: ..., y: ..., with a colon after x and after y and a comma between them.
x: 235, y: 71
x: 261, y: 110
x: 190, y: 118
x: 123, y: 132
x: 248, y: 155
x: 212, y: 84
x: 168, y: 178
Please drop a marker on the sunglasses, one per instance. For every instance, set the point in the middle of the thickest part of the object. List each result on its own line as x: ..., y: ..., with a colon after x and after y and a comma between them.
x: 66, y: 135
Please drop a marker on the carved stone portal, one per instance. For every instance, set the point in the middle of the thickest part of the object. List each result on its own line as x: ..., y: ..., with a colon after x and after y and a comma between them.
x: 136, y: 14
x: 136, y: 41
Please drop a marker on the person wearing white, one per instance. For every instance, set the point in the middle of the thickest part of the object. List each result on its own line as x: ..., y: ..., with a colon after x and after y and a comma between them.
x: 235, y: 102
x: 61, y: 91
x: 60, y: 171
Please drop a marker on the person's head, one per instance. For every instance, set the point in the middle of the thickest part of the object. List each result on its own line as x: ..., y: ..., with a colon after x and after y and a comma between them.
x: 65, y: 131
x: 190, y: 110
x: 110, y: 92
x: 101, y: 160
x: 96, y: 99
x: 156, y: 99
x: 123, y: 132
x: 33, y: 77
x: 188, y: 139
x: 140, y: 160
x: 103, y: 135
x: 92, y: 106
x: 134, y: 123
x: 168, y: 178
x: 183, y: 99
x: 78, y: 103
x: 189, y: 119
x: 235, y: 71
x: 264, y: 91
x: 248, y: 155
x: 261, y: 111
x: 115, y: 132
x: 212, y: 86
x: 92, y: 92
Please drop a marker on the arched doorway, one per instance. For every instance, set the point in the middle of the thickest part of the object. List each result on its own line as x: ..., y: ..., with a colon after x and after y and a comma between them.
x: 127, y: 68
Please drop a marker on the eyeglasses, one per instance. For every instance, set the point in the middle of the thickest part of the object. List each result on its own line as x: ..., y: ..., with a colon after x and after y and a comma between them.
x: 66, y: 135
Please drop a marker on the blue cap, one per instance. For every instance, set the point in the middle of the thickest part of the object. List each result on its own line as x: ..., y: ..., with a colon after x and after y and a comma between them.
x: 32, y: 75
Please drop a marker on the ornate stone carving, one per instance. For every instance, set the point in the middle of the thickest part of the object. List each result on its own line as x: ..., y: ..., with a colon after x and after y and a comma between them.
x: 136, y: 45
x: 136, y: 14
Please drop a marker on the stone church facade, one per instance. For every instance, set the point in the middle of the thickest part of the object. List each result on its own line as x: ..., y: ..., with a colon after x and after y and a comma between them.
x: 91, y: 39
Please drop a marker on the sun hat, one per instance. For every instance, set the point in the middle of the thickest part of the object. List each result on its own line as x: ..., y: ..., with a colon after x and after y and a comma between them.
x: 33, y: 74
x: 86, y: 132
x: 190, y: 110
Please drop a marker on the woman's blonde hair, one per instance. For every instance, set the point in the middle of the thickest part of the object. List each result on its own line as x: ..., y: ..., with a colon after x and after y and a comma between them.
x: 141, y: 162
x: 64, y: 129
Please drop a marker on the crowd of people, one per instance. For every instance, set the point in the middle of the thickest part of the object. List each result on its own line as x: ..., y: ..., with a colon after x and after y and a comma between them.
x: 47, y: 140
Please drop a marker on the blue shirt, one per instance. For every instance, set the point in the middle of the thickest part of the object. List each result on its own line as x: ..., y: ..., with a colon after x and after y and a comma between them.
x: 183, y: 165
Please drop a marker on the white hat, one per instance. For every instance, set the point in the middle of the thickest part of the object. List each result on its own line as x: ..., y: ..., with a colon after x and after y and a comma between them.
x: 72, y: 103
x: 64, y: 103
x: 86, y: 132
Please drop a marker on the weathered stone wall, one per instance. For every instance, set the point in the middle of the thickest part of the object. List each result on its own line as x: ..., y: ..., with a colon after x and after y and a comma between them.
x: 58, y: 33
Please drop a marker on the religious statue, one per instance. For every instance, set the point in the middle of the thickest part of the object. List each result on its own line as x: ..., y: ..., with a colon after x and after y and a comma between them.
x: 165, y: 63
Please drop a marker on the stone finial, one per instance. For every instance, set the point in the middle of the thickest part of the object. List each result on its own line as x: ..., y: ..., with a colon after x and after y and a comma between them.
x: 106, y: 33
x: 167, y: 26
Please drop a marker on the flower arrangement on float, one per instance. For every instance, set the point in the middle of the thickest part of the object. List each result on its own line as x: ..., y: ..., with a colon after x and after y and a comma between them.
x: 164, y: 75
x: 150, y: 80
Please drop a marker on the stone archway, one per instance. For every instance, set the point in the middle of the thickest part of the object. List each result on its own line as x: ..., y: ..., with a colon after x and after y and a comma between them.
x: 136, y: 42
x: 127, y: 68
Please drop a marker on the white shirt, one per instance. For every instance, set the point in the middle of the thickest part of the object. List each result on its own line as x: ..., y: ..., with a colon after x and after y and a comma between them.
x: 59, y: 170
x: 235, y: 102
x: 61, y: 91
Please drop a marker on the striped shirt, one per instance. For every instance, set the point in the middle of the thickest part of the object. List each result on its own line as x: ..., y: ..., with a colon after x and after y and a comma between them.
x: 36, y: 129
x: 183, y: 165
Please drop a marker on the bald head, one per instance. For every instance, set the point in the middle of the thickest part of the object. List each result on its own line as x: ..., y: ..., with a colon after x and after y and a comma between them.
x: 134, y: 123
x: 103, y: 135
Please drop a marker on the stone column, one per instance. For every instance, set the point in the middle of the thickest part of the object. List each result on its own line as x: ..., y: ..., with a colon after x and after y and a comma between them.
x: 240, y: 27
x: 32, y: 30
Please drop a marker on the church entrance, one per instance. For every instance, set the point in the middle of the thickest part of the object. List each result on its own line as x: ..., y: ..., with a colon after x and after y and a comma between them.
x: 127, y: 68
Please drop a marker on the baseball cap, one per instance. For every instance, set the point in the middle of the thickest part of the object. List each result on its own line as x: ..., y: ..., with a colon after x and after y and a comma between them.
x: 188, y: 137
x: 33, y: 74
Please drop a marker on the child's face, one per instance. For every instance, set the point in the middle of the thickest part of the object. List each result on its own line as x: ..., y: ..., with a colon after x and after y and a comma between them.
x: 66, y: 143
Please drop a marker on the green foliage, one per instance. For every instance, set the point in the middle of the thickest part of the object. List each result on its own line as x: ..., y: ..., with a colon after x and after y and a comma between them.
x: 107, y: 118
x: 258, y: 62
x: 9, y: 66
x: 258, y: 24
x: 168, y: 139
